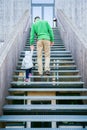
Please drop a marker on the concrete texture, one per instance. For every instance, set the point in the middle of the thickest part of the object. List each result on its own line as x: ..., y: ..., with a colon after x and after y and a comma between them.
x: 74, y: 41
x: 72, y: 21
x: 9, y: 55
x: 76, y: 11
x: 10, y: 13
x: 14, y: 27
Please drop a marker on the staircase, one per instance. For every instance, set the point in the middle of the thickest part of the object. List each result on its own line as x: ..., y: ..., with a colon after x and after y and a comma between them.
x: 50, y: 102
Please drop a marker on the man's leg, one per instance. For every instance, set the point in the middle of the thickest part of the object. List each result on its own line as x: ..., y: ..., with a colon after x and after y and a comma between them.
x: 39, y: 56
x: 47, y: 54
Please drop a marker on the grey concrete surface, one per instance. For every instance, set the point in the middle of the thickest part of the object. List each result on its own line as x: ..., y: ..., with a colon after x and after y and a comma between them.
x: 9, y: 55
x: 76, y: 11
x: 14, y: 25
x: 75, y: 41
x: 10, y: 13
x: 72, y: 21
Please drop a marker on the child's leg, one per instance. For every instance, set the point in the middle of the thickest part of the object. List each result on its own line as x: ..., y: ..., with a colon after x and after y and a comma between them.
x: 27, y: 73
x: 30, y: 72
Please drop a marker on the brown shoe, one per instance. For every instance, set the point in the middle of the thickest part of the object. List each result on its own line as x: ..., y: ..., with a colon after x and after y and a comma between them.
x: 47, y: 72
x: 39, y: 74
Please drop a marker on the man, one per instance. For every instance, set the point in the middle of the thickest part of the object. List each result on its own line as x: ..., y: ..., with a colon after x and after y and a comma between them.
x: 45, y: 38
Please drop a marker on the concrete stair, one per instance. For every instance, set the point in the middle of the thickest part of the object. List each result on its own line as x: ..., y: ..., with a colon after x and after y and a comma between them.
x: 55, y: 102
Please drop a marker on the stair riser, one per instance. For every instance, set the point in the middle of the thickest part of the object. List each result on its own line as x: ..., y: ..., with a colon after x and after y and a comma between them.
x: 46, y: 112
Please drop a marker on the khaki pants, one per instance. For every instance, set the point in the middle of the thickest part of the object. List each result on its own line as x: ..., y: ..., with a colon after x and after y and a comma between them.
x: 43, y: 45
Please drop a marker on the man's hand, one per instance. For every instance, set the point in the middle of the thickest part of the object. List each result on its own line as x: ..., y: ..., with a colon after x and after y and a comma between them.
x: 51, y: 43
x: 32, y: 47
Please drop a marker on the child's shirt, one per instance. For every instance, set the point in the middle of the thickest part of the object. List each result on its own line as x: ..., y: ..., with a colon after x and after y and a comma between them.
x: 27, y: 61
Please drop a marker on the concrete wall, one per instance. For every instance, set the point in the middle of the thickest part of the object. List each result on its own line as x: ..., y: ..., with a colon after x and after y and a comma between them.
x: 10, y: 13
x: 76, y: 11
x: 9, y: 55
x: 74, y: 41
x: 72, y: 22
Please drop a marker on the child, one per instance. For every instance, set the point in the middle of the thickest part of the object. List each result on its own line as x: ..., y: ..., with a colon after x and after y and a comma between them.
x: 27, y: 64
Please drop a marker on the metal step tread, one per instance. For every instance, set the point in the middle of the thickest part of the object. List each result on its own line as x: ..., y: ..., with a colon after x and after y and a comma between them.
x: 55, y: 62
x: 53, y: 58
x: 59, y: 71
x: 43, y: 128
x: 48, y: 89
x: 61, y: 63
x: 53, y: 48
x: 41, y: 118
x: 56, y: 41
x: 58, y: 36
x: 48, y: 84
x: 46, y: 107
x: 58, y: 52
x: 59, y: 66
x: 55, y: 54
x: 46, y: 98
x: 53, y: 67
x: 55, y: 45
x: 48, y: 77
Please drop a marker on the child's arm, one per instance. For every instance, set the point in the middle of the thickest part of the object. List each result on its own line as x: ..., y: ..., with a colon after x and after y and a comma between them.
x: 32, y: 47
x: 32, y: 52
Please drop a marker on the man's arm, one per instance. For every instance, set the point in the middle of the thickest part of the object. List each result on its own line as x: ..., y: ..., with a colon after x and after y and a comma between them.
x: 51, y: 43
x: 51, y: 33
x: 32, y: 35
x: 32, y: 38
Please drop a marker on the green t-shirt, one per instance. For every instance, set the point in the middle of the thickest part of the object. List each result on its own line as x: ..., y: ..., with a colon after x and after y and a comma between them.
x: 43, y: 31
